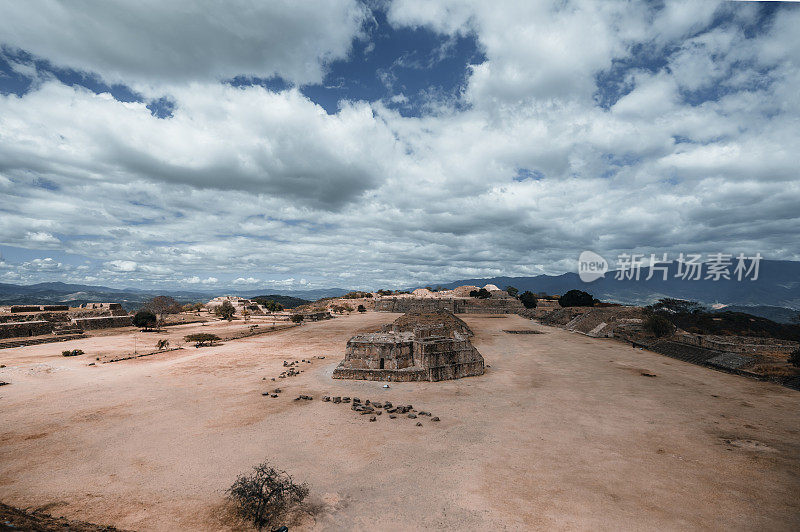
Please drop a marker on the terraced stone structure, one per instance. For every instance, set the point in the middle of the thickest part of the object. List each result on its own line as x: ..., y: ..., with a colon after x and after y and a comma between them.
x: 431, y: 352
x: 456, y: 305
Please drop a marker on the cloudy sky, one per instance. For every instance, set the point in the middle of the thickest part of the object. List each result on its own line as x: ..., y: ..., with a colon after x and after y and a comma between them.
x: 292, y: 145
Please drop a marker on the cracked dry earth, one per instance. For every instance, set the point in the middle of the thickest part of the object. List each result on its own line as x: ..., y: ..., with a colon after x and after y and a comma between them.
x: 563, y: 431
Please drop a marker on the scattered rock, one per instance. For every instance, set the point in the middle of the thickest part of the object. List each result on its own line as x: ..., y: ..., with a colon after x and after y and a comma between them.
x: 3, y: 383
x: 274, y: 396
x: 419, y: 424
x: 412, y: 416
x: 326, y: 398
x: 373, y: 418
x: 392, y: 416
x: 644, y: 374
x: 434, y: 418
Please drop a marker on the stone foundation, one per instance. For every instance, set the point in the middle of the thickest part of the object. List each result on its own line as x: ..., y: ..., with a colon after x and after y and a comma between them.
x: 21, y: 329
x: 432, y: 352
x: 466, y: 305
x: 103, y: 322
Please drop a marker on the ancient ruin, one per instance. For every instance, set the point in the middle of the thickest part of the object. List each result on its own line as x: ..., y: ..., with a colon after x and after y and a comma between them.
x: 31, y: 324
x: 457, y: 301
x: 419, y: 347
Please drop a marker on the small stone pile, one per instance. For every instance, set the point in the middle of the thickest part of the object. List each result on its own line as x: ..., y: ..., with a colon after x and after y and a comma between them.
x: 377, y: 408
x: 274, y: 393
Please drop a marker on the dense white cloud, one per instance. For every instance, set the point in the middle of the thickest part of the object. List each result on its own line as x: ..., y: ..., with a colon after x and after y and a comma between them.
x: 264, y: 189
x: 156, y: 43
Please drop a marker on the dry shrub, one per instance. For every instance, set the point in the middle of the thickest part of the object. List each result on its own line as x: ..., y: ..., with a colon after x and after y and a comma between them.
x: 266, y: 495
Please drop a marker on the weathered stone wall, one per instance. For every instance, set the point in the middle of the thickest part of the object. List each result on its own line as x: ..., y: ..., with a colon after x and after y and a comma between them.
x: 454, y: 305
x: 58, y: 317
x: 103, y: 322
x: 20, y: 329
x: 25, y: 308
x: 738, y: 344
x: 371, y: 351
x: 432, y: 352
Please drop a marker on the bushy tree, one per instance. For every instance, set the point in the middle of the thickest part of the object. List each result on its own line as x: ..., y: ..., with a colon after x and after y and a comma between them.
x: 297, y: 318
x: 576, y: 298
x: 201, y: 339
x: 225, y: 311
x: 266, y: 495
x: 162, y: 305
x: 528, y: 299
x: 659, y: 326
x: 513, y: 292
x: 480, y: 294
x: 145, y: 319
x: 794, y: 358
x: 272, y: 305
x: 361, y: 309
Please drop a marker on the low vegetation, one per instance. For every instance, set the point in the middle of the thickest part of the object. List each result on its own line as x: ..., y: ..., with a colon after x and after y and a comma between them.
x: 794, y: 359
x: 659, y: 326
x: 162, y: 344
x: 297, y: 318
x: 72, y: 353
x: 266, y: 496
x: 480, y: 294
x: 692, y: 317
x: 202, y: 339
x: 357, y: 295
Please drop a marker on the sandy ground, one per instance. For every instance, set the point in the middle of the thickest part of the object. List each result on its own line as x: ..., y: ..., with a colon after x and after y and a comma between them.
x: 563, y: 431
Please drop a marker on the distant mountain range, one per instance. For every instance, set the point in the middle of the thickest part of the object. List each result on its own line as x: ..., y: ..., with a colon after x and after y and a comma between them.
x: 774, y: 295
x: 132, y: 298
x: 777, y: 286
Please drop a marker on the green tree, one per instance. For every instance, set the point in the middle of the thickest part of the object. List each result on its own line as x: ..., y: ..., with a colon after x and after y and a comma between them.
x: 201, y: 339
x: 145, y: 319
x: 528, y: 299
x: 162, y: 305
x: 297, y: 318
x: 225, y: 311
x: 576, y: 298
x: 659, y: 326
x: 510, y: 290
x: 361, y: 309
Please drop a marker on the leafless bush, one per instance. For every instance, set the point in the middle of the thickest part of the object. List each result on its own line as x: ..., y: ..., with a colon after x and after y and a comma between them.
x: 266, y: 495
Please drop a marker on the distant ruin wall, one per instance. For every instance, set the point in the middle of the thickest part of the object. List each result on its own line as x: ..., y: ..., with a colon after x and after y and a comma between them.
x: 20, y: 329
x: 40, y: 316
x: 25, y: 308
x: 738, y: 344
x: 454, y: 305
x: 104, y: 322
